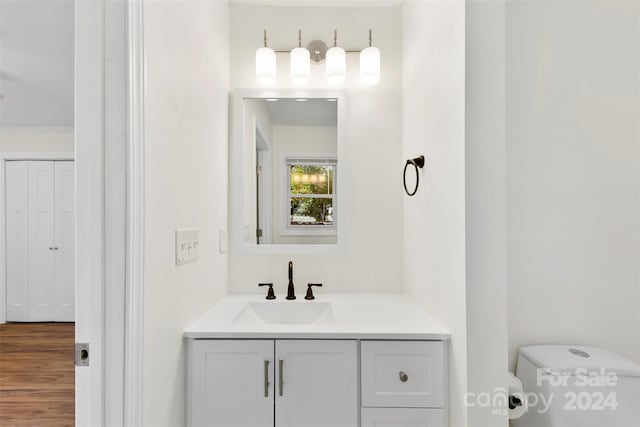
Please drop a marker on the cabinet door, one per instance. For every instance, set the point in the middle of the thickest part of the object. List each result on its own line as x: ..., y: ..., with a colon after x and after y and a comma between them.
x: 41, y: 242
x: 402, y: 417
x: 64, y: 242
x: 317, y: 383
x: 17, y: 247
x: 231, y: 383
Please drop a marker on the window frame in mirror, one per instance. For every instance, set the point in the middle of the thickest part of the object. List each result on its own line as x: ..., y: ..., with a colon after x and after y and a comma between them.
x: 237, y: 243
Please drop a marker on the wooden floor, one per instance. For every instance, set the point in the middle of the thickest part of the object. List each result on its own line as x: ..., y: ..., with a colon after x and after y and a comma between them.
x: 36, y: 374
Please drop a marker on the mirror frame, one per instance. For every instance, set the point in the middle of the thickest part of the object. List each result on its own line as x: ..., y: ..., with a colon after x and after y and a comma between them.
x: 236, y: 184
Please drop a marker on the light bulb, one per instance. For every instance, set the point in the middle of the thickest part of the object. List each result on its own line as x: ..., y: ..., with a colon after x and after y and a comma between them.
x: 265, y: 66
x: 370, y: 66
x: 300, y: 66
x: 336, y: 65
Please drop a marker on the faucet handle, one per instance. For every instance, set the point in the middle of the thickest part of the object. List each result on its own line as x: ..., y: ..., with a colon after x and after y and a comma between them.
x: 309, y: 295
x: 270, y: 294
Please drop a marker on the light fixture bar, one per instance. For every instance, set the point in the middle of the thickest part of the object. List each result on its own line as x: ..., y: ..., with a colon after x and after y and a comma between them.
x: 346, y: 51
x: 316, y: 52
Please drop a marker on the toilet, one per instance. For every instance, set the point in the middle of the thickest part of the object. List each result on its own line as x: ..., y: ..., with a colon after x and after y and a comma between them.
x: 577, y: 386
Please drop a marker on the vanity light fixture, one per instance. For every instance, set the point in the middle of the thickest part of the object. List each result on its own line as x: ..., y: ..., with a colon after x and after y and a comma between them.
x: 300, y: 63
x: 316, y: 53
x: 272, y: 99
x: 301, y: 99
x: 370, y: 65
x: 336, y: 68
x: 265, y: 64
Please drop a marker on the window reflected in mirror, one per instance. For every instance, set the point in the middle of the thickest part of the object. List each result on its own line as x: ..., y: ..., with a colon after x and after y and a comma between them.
x: 312, y: 191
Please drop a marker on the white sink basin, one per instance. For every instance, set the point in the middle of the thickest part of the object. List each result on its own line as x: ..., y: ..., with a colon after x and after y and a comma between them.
x: 286, y: 313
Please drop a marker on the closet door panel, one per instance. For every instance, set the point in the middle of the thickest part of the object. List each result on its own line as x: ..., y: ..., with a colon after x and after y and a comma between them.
x: 64, y: 242
x: 41, y: 241
x: 17, y: 238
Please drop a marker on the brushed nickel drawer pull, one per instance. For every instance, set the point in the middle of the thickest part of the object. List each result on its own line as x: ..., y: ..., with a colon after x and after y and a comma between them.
x: 266, y: 378
x: 281, y: 378
x: 403, y: 377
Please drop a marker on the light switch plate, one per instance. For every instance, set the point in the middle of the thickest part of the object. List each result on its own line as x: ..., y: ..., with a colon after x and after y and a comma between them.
x: 187, y: 245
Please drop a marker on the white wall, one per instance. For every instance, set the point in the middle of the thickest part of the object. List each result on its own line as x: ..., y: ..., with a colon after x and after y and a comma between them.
x: 298, y: 141
x: 487, y: 334
x: 374, y: 135
x: 36, y: 139
x: 434, y: 219
x: 187, y: 75
x: 573, y: 174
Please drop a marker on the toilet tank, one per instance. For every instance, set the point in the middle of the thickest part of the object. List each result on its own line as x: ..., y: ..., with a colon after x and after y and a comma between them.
x: 577, y: 386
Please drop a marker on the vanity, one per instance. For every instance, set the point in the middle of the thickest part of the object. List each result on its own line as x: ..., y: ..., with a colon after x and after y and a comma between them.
x: 340, y: 360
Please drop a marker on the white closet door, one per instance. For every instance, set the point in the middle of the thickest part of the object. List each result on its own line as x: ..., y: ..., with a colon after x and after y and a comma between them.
x: 17, y: 247
x: 41, y: 242
x: 64, y: 242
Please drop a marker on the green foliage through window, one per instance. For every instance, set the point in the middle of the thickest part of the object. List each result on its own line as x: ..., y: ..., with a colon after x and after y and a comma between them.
x: 312, y: 188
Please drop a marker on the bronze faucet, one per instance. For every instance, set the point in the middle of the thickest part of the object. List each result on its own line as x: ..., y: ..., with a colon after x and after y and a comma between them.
x: 291, y: 294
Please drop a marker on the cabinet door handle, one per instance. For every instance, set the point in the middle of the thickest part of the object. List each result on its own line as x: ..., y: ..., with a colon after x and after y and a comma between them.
x: 280, y: 376
x: 266, y: 378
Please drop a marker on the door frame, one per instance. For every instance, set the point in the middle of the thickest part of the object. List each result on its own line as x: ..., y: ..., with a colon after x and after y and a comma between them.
x: 4, y: 158
x: 109, y: 119
x: 135, y: 217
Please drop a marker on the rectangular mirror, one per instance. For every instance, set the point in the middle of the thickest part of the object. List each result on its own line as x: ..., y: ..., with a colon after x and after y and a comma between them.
x: 285, y: 147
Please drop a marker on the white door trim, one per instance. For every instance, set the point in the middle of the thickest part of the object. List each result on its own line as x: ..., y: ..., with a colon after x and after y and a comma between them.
x: 134, y: 324
x: 89, y: 136
x: 101, y: 161
x: 4, y: 157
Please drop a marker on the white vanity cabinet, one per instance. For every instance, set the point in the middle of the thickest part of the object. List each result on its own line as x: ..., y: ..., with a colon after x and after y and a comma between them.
x: 244, y: 383
x: 347, y: 360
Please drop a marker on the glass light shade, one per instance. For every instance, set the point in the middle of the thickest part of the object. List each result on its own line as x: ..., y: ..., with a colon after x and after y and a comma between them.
x: 300, y: 66
x: 370, y: 66
x: 265, y: 66
x: 336, y: 65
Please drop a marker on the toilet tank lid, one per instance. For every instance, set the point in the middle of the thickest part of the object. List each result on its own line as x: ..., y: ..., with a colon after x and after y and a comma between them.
x: 568, y: 358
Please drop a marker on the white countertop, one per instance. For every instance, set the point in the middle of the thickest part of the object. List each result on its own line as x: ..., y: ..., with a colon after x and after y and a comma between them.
x: 355, y: 316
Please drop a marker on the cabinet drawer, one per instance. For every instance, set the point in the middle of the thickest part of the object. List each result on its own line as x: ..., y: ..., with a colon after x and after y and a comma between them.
x: 402, y: 374
x: 402, y: 417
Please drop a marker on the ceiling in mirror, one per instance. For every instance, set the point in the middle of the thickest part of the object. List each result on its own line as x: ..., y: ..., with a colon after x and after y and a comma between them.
x: 312, y: 112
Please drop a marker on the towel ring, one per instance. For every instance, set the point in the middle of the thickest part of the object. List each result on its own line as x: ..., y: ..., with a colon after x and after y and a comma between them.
x: 417, y: 162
